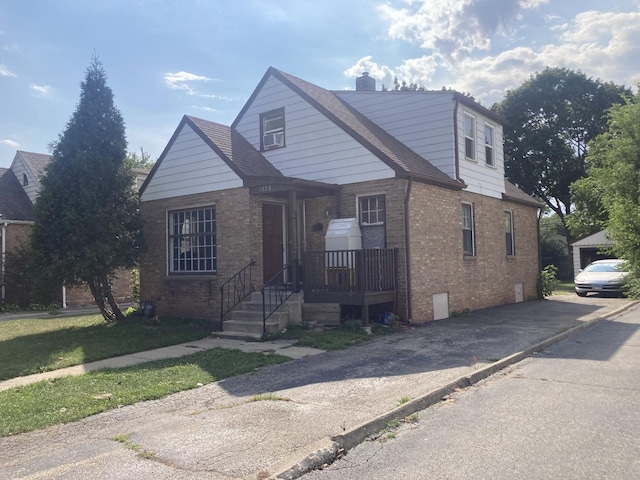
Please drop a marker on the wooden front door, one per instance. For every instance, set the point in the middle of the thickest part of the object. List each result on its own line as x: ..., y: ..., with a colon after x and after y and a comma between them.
x: 272, y: 240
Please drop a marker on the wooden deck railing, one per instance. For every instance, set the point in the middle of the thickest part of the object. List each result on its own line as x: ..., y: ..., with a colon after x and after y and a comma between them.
x: 351, y: 271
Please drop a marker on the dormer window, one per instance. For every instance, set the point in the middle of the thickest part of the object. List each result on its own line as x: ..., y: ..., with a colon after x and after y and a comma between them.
x: 469, y: 137
x: 488, y: 146
x: 25, y: 180
x: 272, y: 129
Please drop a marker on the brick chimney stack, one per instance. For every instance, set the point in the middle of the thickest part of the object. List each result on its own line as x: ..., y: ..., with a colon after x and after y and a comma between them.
x: 365, y: 83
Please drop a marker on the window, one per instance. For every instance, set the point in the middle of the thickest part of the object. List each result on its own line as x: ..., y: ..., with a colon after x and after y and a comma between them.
x: 272, y: 129
x: 508, y: 232
x: 469, y: 137
x: 192, y: 241
x: 488, y: 145
x: 467, y: 229
x: 372, y: 220
x: 25, y: 180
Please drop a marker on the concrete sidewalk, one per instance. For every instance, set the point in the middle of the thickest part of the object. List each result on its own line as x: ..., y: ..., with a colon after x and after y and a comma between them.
x: 283, y: 347
x: 316, y: 405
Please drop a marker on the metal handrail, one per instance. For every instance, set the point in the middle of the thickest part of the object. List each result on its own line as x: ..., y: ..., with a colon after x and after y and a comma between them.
x: 278, y: 292
x: 236, y: 289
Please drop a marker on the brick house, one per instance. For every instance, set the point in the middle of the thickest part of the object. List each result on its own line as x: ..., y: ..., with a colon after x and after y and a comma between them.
x: 420, y: 173
x: 19, y: 187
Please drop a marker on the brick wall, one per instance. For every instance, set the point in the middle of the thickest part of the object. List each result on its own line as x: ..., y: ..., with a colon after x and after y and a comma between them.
x: 484, y: 280
x: 197, y: 296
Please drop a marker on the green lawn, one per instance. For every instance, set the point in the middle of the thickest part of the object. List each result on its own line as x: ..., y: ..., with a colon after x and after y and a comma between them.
x: 38, y: 345
x: 67, y: 399
x: 564, y: 288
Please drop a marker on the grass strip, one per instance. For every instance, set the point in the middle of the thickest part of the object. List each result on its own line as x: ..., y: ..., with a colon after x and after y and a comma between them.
x: 337, y: 338
x: 63, y: 400
x: 38, y: 345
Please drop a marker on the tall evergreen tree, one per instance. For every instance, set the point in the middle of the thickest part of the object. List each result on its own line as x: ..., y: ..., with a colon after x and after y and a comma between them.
x: 87, y: 217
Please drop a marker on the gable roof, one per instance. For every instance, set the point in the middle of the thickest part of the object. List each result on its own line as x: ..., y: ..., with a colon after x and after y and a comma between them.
x: 14, y: 202
x: 228, y: 144
x: 37, y: 162
x: 403, y: 160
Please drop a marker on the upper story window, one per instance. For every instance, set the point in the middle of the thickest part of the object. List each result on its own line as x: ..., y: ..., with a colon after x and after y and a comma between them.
x: 372, y: 221
x: 25, y: 180
x: 272, y: 129
x: 192, y: 241
x: 469, y: 137
x: 488, y: 145
x: 508, y: 231
x: 468, y: 231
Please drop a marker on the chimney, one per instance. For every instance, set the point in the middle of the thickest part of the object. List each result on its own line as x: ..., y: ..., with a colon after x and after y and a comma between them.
x: 365, y: 83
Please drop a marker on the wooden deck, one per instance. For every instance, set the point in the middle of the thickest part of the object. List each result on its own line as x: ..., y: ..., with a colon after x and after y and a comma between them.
x: 351, y: 277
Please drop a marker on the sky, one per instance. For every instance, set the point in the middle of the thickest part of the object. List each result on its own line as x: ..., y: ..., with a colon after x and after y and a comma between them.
x: 168, y: 58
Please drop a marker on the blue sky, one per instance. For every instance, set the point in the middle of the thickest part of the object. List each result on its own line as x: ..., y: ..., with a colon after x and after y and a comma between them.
x: 167, y: 58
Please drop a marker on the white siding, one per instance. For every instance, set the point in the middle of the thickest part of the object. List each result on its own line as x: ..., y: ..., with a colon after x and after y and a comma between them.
x: 480, y: 177
x: 316, y: 149
x: 422, y: 121
x: 189, y: 167
x: 20, y: 168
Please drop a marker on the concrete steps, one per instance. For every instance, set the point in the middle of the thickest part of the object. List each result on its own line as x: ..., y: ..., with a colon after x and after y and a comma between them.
x: 245, y: 321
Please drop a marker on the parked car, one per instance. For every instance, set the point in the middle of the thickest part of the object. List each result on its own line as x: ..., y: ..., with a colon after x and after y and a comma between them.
x: 601, y: 276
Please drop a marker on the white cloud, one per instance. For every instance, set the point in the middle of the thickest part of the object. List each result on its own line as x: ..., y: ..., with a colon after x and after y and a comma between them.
x: 454, y: 29
x: 10, y: 143
x: 40, y: 90
x: 603, y: 45
x: 5, y: 72
x: 382, y: 74
x: 183, y: 80
x: 206, y: 109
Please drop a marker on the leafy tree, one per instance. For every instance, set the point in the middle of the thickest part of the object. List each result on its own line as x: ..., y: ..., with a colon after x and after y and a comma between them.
x: 613, y: 189
x: 550, y: 120
x: 140, y: 161
x: 87, y: 218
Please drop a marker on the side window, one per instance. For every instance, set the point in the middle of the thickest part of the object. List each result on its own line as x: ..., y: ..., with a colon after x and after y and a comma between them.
x: 372, y: 221
x: 192, y: 241
x: 469, y: 137
x: 468, y: 234
x: 272, y: 129
x: 508, y: 232
x: 488, y: 145
x: 25, y: 180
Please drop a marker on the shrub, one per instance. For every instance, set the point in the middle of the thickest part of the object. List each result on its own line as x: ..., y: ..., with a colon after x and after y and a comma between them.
x: 547, y: 281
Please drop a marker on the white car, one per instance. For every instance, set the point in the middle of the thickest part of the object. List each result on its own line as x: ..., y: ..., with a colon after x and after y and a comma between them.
x: 601, y: 276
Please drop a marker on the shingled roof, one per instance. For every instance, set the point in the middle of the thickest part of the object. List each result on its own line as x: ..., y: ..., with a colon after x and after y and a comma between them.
x: 37, y: 162
x: 14, y: 202
x: 514, y: 194
x: 378, y: 141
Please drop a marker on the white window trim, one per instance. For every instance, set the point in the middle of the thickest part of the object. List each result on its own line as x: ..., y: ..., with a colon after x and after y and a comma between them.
x: 474, y: 139
x: 513, y: 235
x: 492, y: 146
x: 473, y: 230
x: 264, y: 132
x: 358, y: 212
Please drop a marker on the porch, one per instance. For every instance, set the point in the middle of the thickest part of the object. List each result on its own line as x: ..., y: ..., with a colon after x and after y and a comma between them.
x: 351, y: 277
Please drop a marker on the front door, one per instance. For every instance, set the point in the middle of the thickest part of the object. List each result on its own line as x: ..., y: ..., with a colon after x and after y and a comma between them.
x: 272, y: 240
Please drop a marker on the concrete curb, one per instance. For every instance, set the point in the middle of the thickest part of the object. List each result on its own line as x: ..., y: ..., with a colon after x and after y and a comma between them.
x: 326, y: 450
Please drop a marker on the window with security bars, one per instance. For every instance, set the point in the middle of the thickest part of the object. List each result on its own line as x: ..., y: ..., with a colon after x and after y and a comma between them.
x: 468, y: 240
x: 192, y: 241
x: 372, y: 221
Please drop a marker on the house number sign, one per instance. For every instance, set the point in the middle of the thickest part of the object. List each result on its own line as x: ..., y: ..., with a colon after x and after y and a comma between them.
x: 265, y: 188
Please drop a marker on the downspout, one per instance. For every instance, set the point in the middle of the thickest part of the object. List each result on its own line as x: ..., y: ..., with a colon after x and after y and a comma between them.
x: 407, y: 247
x: 455, y: 138
x: 4, y: 252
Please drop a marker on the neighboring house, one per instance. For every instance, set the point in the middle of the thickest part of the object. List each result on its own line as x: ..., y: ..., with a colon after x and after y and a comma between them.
x: 421, y: 172
x: 19, y: 187
x: 591, y: 248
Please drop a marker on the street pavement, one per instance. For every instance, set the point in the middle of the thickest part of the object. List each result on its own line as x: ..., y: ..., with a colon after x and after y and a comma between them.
x: 317, y: 405
x: 570, y: 412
